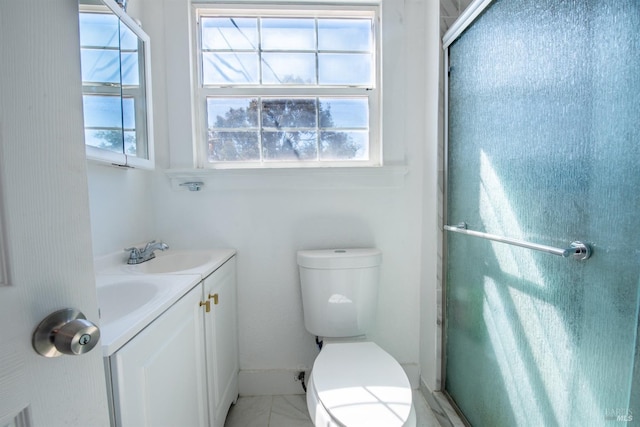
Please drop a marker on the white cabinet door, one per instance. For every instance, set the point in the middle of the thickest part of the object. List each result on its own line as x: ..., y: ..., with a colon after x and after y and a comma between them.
x: 221, y: 328
x: 159, y: 376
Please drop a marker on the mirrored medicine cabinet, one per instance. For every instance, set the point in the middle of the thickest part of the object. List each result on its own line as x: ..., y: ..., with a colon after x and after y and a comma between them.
x: 116, y: 86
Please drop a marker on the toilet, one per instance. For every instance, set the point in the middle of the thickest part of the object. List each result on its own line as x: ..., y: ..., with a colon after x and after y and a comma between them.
x: 353, y: 382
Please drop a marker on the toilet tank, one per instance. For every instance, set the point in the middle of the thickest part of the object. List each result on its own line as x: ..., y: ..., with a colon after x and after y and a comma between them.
x: 339, y: 290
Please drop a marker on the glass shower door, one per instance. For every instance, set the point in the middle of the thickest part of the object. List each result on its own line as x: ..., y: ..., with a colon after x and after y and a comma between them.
x: 544, y: 146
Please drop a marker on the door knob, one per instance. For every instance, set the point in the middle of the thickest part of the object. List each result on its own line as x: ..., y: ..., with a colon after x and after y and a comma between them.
x: 65, y: 331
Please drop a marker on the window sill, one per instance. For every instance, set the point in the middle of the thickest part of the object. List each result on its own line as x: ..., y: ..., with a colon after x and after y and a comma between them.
x: 347, y: 178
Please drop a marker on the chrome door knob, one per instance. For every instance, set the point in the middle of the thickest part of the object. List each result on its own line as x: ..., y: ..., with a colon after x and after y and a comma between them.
x: 66, y: 331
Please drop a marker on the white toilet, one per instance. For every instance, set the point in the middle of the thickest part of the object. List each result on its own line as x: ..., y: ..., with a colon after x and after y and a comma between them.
x: 353, y: 382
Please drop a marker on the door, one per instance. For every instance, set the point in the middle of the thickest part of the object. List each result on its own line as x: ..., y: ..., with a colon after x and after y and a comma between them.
x: 46, y: 261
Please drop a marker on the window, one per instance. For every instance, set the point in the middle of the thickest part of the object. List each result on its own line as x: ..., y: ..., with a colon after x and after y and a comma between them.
x: 287, y: 88
x: 113, y: 62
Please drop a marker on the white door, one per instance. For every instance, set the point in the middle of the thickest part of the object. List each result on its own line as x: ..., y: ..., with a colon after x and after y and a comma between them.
x: 46, y: 261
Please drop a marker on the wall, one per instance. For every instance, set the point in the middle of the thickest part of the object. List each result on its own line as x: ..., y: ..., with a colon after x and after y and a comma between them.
x: 268, y: 223
x: 268, y: 218
x: 121, y: 206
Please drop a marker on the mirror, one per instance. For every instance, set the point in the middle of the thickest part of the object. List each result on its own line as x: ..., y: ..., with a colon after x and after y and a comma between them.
x: 116, y: 87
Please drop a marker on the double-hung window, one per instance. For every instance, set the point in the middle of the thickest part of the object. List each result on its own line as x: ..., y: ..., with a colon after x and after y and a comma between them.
x: 287, y: 86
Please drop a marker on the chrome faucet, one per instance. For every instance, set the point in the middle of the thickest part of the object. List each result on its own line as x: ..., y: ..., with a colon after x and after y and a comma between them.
x: 138, y: 255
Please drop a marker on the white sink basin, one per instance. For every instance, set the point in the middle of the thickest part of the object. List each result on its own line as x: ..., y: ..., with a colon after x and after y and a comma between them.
x: 173, y: 262
x: 121, y: 298
x: 128, y: 303
x: 181, y: 262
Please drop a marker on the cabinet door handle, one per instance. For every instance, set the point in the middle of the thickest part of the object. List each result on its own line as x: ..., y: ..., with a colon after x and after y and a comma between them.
x: 207, y: 305
x: 215, y: 298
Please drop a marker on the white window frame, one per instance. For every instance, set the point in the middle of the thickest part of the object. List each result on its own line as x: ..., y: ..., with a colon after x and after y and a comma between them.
x: 373, y: 92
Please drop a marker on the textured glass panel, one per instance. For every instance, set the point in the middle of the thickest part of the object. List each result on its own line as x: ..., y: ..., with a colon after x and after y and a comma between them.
x: 344, y: 112
x: 344, y: 34
x: 232, y: 112
x: 292, y: 145
x: 344, y: 69
x: 289, y: 113
x: 100, y: 66
x: 543, y: 147
x: 344, y: 145
x: 233, y: 146
x: 288, y: 34
x: 229, y: 33
x: 229, y: 68
x: 288, y: 68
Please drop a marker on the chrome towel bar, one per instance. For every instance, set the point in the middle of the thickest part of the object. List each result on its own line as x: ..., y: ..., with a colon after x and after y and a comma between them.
x: 578, y: 250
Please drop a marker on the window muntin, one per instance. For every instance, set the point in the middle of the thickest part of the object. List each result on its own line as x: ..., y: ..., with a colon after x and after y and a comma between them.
x: 288, y: 88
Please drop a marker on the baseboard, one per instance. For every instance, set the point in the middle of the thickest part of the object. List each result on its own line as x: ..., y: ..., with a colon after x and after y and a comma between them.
x: 261, y: 382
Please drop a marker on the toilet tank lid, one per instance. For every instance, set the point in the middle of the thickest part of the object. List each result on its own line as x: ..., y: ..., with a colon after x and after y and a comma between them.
x: 340, y: 258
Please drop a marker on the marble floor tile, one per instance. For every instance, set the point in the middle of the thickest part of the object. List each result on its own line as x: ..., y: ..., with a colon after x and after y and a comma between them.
x: 250, y: 411
x: 291, y: 411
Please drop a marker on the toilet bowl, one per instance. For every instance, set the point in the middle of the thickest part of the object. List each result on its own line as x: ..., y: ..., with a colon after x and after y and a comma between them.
x: 359, y: 384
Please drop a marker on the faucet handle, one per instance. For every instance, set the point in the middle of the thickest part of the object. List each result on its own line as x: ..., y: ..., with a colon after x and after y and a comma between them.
x: 133, y: 250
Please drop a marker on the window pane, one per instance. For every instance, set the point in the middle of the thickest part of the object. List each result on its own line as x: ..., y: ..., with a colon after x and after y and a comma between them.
x: 297, y: 145
x: 232, y: 113
x: 288, y: 68
x: 289, y: 113
x: 344, y: 34
x: 128, y: 39
x: 99, y: 29
x: 130, y: 147
x: 344, y: 145
x: 100, y: 66
x: 229, y: 68
x: 107, y: 139
x: 128, y: 113
x: 344, y: 113
x: 102, y: 111
x: 288, y: 34
x: 229, y: 33
x: 233, y: 146
x: 129, y: 70
x: 344, y: 69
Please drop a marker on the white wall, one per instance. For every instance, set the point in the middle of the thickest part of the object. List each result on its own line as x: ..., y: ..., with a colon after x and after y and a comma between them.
x: 121, y: 205
x: 268, y: 223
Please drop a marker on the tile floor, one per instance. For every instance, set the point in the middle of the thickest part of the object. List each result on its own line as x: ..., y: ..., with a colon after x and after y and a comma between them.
x: 291, y: 411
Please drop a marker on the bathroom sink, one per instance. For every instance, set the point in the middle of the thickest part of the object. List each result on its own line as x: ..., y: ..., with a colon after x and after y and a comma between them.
x: 128, y: 303
x: 121, y: 298
x: 173, y: 262
x: 202, y: 262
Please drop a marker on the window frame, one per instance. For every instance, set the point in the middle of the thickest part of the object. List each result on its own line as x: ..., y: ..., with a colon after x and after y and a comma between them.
x: 289, y: 10
x: 140, y: 94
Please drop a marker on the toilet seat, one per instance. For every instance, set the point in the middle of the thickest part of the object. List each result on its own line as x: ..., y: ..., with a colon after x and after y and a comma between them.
x: 359, y: 384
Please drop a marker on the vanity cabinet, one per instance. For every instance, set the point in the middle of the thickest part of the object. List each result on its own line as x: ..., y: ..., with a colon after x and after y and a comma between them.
x: 221, y: 342
x: 182, y: 369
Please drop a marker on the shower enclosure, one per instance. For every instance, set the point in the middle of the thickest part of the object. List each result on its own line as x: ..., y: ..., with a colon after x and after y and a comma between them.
x: 543, y: 147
